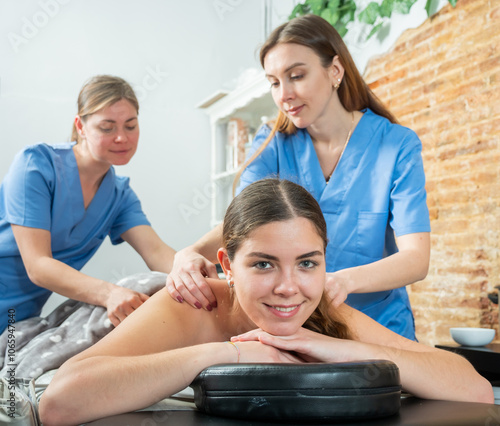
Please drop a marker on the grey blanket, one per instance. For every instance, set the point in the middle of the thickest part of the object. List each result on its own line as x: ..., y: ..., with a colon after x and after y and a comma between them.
x: 43, y: 344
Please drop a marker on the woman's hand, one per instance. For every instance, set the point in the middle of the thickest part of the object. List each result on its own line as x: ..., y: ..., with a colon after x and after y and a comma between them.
x: 336, y: 287
x: 121, y: 302
x: 187, y: 280
x: 307, y: 345
x: 255, y: 351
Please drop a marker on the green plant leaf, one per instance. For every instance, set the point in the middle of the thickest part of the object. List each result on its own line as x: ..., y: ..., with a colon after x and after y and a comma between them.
x: 331, y: 17
x: 316, y: 6
x: 348, y: 11
x: 333, y: 5
x: 403, y: 6
x: 298, y: 10
x: 387, y: 7
x: 428, y: 5
x: 347, y: 17
x: 341, y: 29
x: 370, y: 13
x: 340, y: 13
x: 348, y: 5
x: 374, y: 30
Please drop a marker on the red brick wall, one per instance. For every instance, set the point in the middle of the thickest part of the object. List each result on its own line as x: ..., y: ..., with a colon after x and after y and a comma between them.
x: 443, y: 81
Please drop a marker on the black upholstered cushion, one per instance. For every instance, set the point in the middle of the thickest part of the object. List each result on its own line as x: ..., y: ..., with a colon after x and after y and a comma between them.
x: 310, y: 392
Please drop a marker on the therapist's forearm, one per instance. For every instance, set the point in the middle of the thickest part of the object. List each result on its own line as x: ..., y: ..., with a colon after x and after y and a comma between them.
x: 398, y: 270
x: 60, y: 278
x: 162, y: 259
x: 208, y: 245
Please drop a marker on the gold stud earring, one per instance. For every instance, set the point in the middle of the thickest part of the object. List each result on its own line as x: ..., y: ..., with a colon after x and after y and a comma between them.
x: 336, y: 86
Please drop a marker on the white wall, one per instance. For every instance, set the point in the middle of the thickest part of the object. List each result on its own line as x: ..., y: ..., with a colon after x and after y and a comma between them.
x: 175, y: 53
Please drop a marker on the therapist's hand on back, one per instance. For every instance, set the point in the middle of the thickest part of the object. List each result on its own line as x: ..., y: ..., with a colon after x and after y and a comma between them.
x: 121, y: 302
x: 186, y: 281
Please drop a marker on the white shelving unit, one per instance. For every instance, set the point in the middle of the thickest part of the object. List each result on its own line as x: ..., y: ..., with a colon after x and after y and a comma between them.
x: 250, y: 102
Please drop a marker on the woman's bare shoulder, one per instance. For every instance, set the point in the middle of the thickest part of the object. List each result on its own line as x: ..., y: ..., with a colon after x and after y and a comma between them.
x: 159, y: 324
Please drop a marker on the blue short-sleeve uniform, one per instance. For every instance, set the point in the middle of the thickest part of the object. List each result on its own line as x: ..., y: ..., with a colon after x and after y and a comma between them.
x: 376, y: 191
x: 42, y: 190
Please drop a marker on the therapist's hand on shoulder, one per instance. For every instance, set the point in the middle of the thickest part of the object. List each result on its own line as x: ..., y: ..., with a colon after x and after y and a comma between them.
x: 336, y: 288
x: 186, y: 281
x: 121, y: 302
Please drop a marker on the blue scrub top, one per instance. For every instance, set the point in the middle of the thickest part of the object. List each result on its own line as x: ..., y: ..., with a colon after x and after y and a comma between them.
x: 42, y: 190
x: 376, y: 191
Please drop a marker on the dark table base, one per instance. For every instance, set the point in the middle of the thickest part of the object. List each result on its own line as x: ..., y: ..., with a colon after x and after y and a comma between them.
x: 414, y: 411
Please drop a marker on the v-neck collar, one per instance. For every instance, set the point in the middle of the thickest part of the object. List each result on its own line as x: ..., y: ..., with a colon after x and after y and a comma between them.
x: 103, y: 193
x: 343, y: 175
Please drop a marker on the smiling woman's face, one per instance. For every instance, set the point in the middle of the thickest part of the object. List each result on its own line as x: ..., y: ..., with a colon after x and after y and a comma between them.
x: 111, y: 135
x: 279, y: 274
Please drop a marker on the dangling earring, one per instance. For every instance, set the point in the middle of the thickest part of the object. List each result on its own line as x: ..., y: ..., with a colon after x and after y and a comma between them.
x: 336, y: 86
x: 230, y: 282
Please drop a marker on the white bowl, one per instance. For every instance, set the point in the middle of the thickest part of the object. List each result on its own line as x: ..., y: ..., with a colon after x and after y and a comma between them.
x: 470, y: 336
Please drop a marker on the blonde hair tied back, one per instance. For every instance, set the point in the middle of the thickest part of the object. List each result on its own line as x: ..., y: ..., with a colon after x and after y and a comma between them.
x: 100, y: 92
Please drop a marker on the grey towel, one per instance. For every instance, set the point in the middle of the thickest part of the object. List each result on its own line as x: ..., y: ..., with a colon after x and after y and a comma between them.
x: 43, y: 344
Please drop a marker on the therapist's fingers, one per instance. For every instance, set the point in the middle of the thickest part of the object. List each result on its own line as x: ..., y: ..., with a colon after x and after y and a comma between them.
x: 337, y: 296
x: 114, y: 320
x: 132, y: 303
x: 184, y: 286
x: 128, y: 300
x: 208, y: 270
x: 189, y: 283
x: 196, y: 291
x: 335, y: 289
x: 114, y: 317
x: 122, y: 302
x: 172, y: 290
x: 143, y: 297
x: 338, y: 299
x: 120, y: 313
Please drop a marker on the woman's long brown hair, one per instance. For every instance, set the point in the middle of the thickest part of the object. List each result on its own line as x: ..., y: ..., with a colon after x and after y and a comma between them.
x: 316, y: 33
x: 275, y: 200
